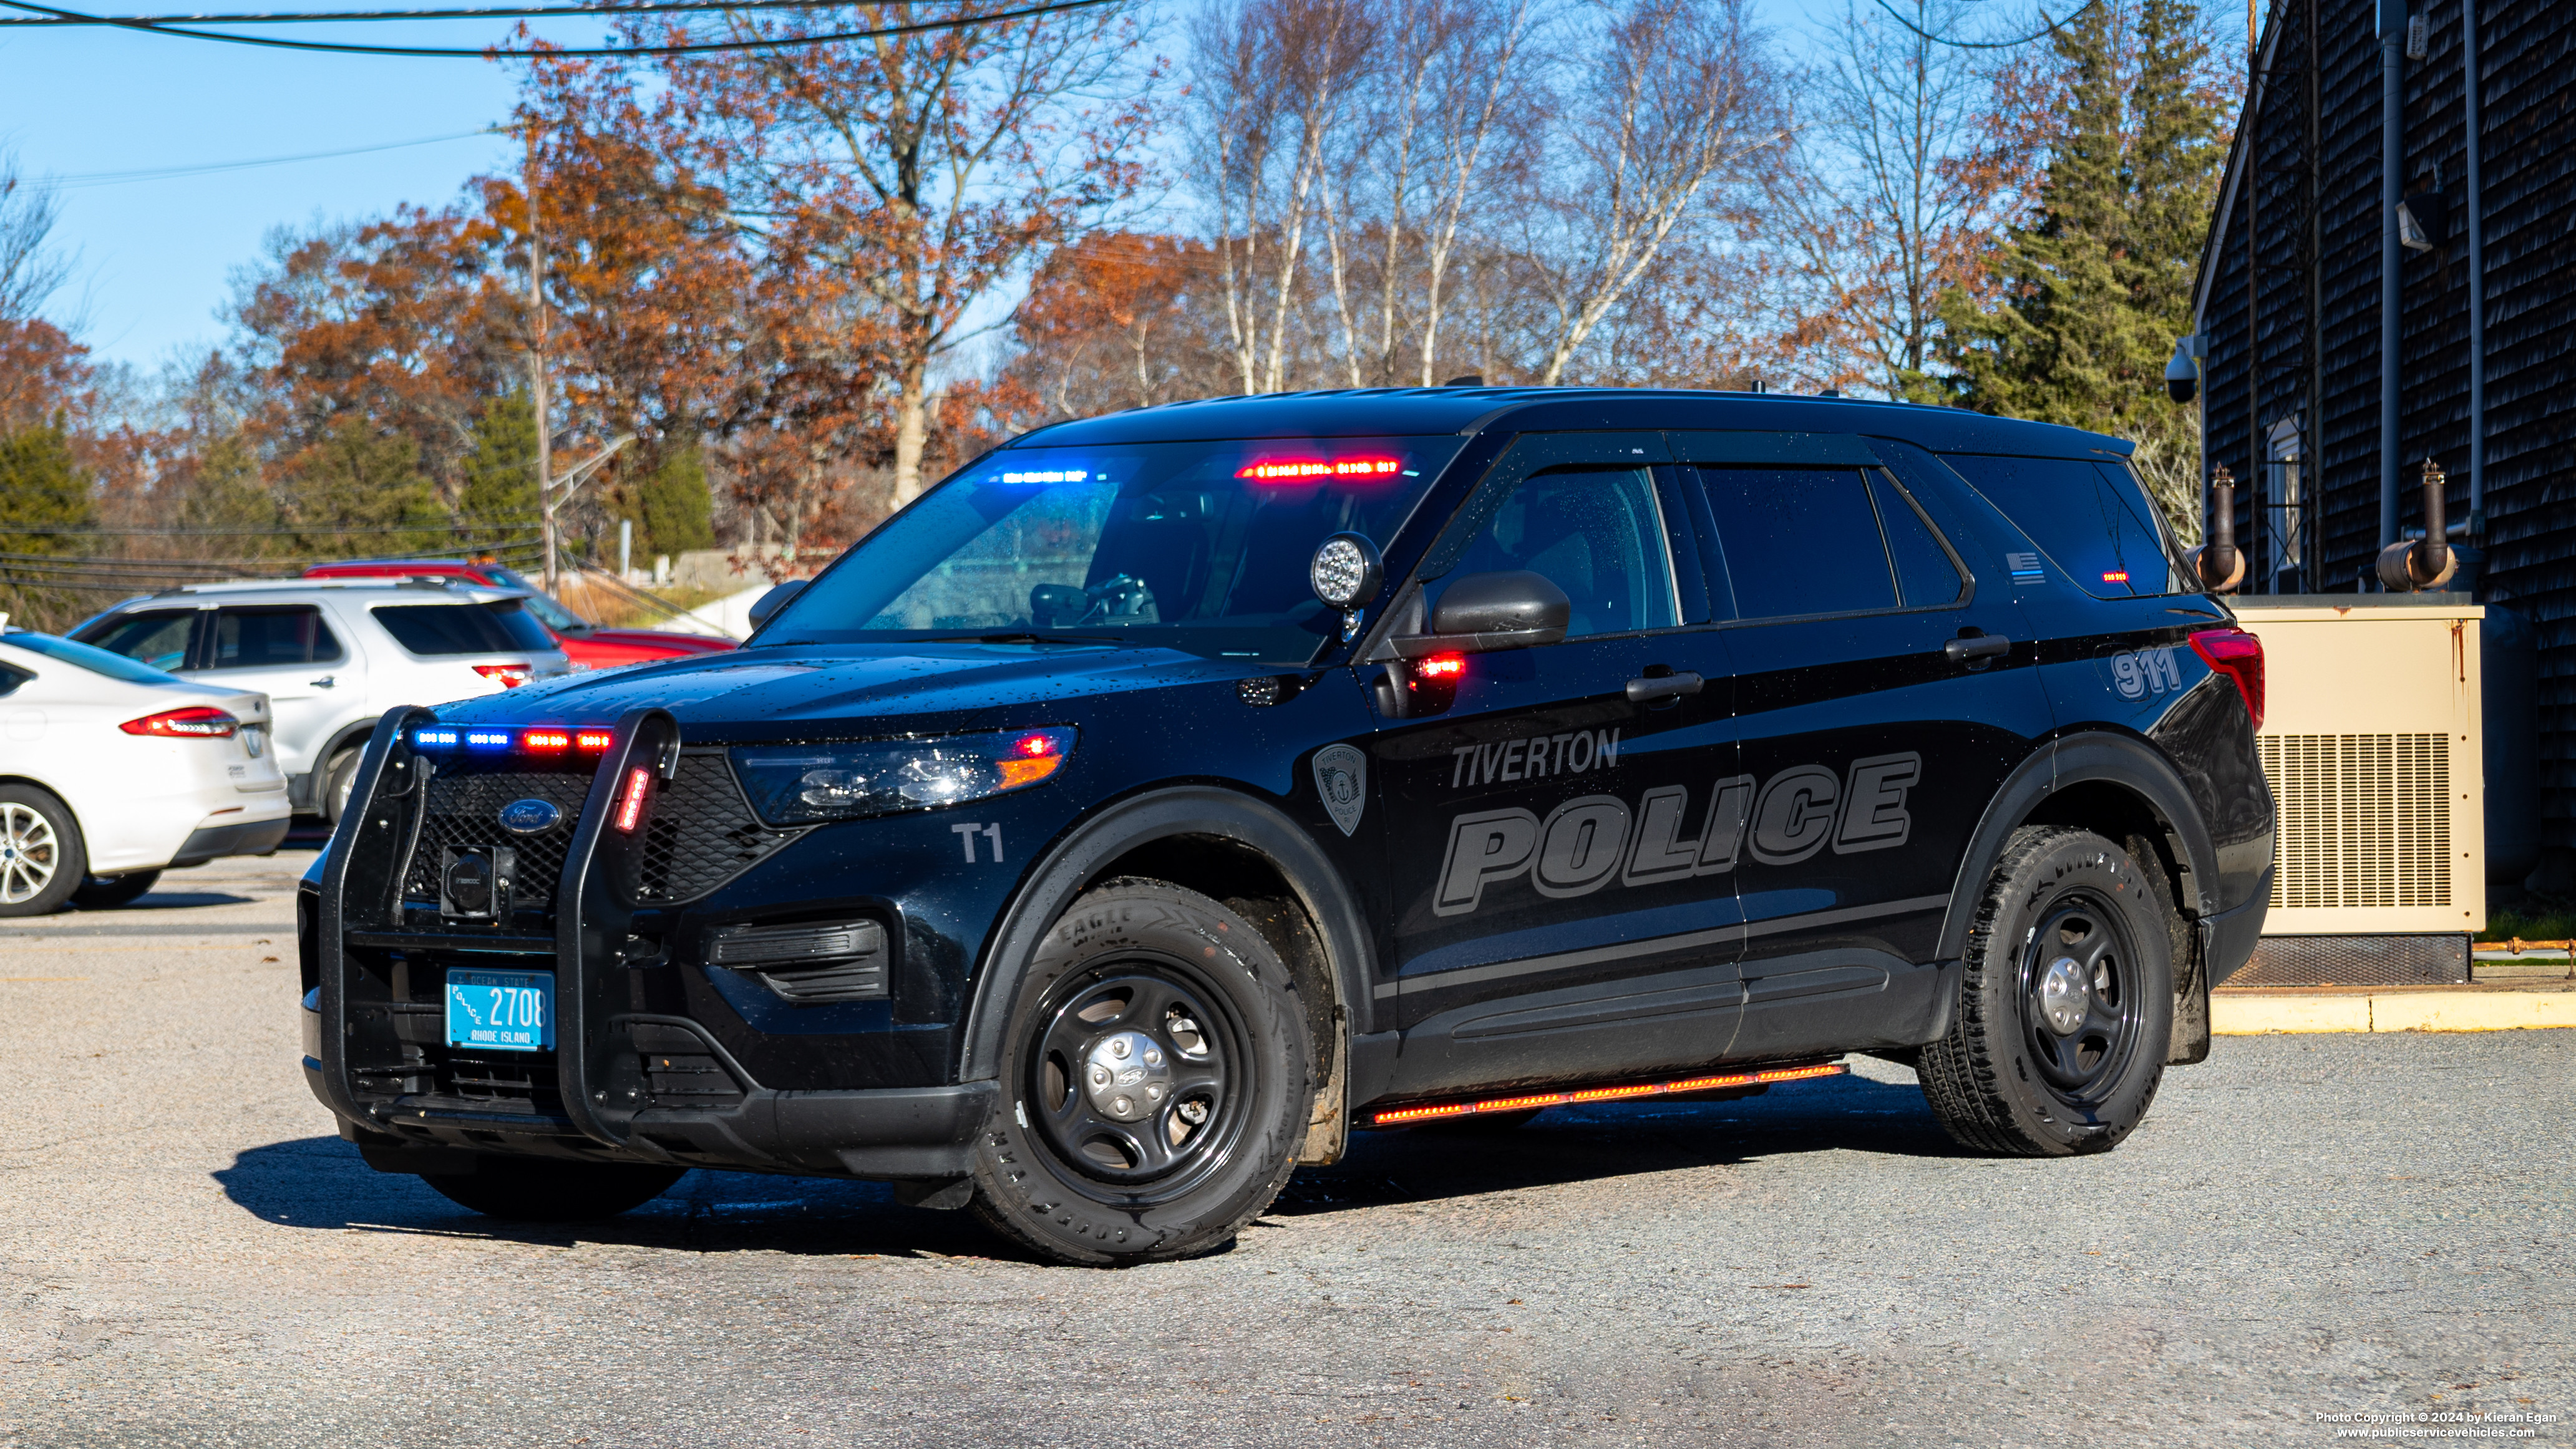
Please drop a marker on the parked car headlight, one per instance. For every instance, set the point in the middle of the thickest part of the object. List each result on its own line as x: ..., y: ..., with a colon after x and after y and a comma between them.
x: 793, y: 783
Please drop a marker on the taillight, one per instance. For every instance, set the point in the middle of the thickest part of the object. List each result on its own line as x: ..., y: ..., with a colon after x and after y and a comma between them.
x: 199, y: 722
x: 510, y: 675
x: 2239, y: 656
x: 630, y: 803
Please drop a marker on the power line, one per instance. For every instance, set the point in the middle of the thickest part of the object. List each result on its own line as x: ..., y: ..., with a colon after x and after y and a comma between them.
x: 506, y: 12
x: 2051, y: 28
x: 80, y: 180
x: 497, y: 52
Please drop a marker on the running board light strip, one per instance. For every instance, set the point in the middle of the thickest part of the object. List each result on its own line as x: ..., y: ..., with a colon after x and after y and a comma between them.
x: 1401, y: 1115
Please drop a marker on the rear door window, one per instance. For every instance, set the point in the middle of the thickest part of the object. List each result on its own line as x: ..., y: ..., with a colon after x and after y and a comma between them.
x: 154, y: 637
x: 270, y: 637
x: 1798, y: 541
x: 2091, y: 520
x: 501, y: 627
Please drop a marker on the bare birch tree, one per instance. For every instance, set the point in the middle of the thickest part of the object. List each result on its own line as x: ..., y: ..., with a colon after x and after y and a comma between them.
x: 1880, y: 209
x: 1276, y: 78
x: 1673, y: 99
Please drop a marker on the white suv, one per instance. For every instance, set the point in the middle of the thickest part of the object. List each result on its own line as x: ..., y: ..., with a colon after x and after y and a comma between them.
x: 332, y: 655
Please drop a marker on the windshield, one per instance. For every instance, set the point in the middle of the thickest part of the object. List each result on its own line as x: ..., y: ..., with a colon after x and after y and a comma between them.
x: 96, y: 661
x: 556, y: 616
x: 1201, y: 547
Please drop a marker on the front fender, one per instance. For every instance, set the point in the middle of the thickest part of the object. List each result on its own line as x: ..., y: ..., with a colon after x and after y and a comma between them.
x: 1081, y: 855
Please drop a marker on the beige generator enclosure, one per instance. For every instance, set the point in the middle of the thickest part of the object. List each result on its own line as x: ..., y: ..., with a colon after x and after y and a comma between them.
x: 2371, y: 740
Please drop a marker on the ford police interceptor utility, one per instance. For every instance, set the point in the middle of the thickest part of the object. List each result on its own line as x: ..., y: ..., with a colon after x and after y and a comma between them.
x: 1166, y: 795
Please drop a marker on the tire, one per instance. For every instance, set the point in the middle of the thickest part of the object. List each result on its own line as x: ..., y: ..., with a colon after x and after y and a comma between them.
x: 107, y: 892
x: 541, y: 1190
x: 2068, y: 924
x: 42, y: 857
x: 337, y: 786
x: 1144, y: 986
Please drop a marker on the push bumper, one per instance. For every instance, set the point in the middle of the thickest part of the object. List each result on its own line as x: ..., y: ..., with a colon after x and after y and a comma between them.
x: 620, y: 1084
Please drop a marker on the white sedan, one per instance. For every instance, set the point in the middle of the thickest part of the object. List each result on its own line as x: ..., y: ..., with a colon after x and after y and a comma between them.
x: 111, y: 772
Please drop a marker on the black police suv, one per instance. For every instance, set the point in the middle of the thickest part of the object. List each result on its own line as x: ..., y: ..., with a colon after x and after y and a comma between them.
x: 1163, y: 796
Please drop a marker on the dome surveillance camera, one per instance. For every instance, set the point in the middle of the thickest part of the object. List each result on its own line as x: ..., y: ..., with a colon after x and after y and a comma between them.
x: 2182, y: 374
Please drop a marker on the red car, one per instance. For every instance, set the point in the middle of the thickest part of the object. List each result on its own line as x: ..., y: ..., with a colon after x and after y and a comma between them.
x: 587, y: 645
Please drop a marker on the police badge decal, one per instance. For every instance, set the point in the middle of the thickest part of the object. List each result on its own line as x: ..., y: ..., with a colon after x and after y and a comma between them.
x: 1341, y: 777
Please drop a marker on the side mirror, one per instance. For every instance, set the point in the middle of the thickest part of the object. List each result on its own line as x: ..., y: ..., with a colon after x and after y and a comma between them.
x: 776, y: 599
x: 1482, y: 613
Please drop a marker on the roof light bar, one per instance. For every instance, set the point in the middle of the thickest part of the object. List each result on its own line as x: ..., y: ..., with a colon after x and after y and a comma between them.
x: 1433, y: 1111
x: 1289, y: 469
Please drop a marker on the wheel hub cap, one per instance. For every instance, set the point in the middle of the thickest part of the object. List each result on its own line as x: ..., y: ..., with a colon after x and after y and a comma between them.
x: 2063, y: 995
x: 1126, y: 1076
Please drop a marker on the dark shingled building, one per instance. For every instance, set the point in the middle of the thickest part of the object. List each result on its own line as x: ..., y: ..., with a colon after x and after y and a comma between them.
x: 2326, y: 405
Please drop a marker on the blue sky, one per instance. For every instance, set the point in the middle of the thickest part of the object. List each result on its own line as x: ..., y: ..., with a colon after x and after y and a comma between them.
x: 155, y: 257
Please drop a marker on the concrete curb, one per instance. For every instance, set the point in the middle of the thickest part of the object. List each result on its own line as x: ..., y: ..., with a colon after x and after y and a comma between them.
x: 2257, y: 1013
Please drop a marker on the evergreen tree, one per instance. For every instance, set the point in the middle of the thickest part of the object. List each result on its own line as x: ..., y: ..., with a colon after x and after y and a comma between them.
x: 2096, y: 284
x: 42, y: 486
x: 359, y: 492
x: 673, y: 510
x: 499, y: 499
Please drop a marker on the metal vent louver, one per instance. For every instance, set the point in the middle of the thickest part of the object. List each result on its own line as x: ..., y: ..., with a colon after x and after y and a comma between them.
x: 2365, y: 820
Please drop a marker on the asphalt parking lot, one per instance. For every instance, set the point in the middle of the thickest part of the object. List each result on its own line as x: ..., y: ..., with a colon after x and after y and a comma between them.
x: 2306, y: 1225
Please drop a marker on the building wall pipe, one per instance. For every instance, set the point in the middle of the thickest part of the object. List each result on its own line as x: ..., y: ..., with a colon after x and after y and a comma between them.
x: 2476, y: 204
x: 2392, y: 151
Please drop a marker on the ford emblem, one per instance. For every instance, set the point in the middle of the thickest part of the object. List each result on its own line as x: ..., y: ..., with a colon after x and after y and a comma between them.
x: 530, y: 817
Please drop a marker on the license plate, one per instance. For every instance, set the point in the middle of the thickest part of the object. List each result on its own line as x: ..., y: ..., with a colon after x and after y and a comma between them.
x: 509, y: 1011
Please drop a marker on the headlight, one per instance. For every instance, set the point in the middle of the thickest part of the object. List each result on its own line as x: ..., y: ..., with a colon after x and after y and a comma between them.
x: 789, y: 783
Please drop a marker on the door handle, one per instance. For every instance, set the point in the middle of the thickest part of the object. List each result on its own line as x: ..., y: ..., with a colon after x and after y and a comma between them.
x: 327, y: 681
x: 1977, y: 646
x: 1663, y: 686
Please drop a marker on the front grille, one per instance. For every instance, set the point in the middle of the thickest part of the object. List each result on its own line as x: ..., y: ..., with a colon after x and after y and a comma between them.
x: 701, y: 833
x: 464, y: 809
x: 503, y: 1081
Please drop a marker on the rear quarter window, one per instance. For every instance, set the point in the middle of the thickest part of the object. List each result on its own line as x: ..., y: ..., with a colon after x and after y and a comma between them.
x: 154, y: 638
x: 502, y: 627
x: 2092, y: 520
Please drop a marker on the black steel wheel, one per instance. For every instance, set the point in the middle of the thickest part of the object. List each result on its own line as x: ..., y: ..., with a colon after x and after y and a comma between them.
x: 1156, y: 1082
x: 107, y: 892
x: 543, y: 1190
x: 2066, y: 1002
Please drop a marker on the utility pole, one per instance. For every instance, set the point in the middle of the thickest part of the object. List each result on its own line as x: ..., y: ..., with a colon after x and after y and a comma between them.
x: 537, y: 370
